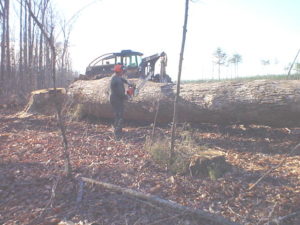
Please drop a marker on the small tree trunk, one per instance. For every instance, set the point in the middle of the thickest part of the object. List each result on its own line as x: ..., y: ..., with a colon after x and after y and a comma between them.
x: 21, y: 75
x: 178, y: 82
x: 50, y: 40
x: 8, y: 66
x: 25, y: 51
x: 292, y: 65
x: 3, y: 42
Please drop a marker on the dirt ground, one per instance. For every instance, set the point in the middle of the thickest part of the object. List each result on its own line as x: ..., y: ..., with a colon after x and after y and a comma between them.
x: 33, y: 190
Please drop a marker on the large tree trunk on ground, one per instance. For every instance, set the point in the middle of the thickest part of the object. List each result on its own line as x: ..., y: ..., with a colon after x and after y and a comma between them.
x: 266, y: 102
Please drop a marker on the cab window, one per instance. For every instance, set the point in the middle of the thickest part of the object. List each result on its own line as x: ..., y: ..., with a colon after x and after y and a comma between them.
x: 118, y: 59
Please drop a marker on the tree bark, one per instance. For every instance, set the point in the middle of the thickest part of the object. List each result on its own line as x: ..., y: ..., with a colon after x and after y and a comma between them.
x: 3, y: 41
x: 7, y: 45
x: 265, y: 102
x: 21, y: 75
x: 172, y: 153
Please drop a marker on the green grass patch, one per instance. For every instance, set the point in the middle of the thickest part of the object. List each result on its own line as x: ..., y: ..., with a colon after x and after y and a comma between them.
x: 185, y: 148
x: 248, y: 78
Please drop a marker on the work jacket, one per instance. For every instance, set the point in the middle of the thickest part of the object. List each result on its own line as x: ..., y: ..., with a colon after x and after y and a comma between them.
x: 117, y: 89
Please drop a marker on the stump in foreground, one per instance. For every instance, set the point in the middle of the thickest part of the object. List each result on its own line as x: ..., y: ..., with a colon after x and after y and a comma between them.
x: 189, y: 158
x: 210, y: 163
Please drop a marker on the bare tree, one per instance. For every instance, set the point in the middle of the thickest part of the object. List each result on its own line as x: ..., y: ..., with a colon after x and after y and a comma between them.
x: 220, y: 60
x: 3, y: 16
x: 66, y: 28
x: 29, y: 66
x: 52, y: 55
x: 7, y: 39
x: 291, y: 67
x: 178, y: 81
x: 21, y: 80
x: 236, y: 59
x: 50, y: 39
x: 5, y: 44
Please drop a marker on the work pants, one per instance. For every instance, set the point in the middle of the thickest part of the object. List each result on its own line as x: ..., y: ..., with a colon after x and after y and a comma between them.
x: 118, y: 109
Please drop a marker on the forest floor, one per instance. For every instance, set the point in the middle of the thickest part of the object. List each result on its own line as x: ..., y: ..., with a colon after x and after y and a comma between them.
x: 33, y: 190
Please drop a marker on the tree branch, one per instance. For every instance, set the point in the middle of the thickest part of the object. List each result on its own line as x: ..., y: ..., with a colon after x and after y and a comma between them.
x: 274, y: 168
x: 195, y: 213
x: 292, y: 65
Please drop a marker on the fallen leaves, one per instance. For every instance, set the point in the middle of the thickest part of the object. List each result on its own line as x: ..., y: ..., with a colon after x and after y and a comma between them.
x: 30, y: 161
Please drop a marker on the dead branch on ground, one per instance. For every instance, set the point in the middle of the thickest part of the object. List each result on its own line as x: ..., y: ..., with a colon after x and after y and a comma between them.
x: 275, y: 167
x: 195, y: 213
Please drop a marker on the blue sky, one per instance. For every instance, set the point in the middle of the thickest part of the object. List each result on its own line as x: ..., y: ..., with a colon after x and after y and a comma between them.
x: 256, y: 29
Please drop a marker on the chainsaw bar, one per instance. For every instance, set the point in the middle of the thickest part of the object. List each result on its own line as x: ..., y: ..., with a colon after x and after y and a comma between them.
x: 141, y: 84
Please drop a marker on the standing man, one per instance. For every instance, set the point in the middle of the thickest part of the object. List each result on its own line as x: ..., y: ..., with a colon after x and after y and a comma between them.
x: 117, y: 98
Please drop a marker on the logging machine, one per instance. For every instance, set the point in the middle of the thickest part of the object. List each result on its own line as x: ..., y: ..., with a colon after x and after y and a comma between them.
x: 136, y: 67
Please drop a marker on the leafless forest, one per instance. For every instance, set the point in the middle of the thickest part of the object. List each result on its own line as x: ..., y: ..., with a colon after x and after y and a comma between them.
x: 25, y: 52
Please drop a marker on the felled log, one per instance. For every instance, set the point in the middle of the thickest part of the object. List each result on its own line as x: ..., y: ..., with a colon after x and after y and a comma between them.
x: 201, y: 216
x: 265, y: 102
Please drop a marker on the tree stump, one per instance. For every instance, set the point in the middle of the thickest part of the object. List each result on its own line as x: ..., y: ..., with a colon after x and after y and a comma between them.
x: 43, y: 101
x: 210, y: 163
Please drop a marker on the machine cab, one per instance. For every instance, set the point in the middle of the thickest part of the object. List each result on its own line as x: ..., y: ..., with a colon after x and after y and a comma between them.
x: 103, y: 65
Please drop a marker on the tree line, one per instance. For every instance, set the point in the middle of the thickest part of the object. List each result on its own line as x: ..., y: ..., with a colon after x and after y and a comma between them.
x: 222, y: 59
x: 25, y: 54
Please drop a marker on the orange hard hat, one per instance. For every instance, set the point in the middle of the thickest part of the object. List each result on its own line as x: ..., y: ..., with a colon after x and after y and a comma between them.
x: 119, y: 68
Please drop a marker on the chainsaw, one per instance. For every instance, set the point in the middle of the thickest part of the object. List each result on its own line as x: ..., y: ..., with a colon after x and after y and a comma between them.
x: 134, y: 89
x: 131, y: 90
